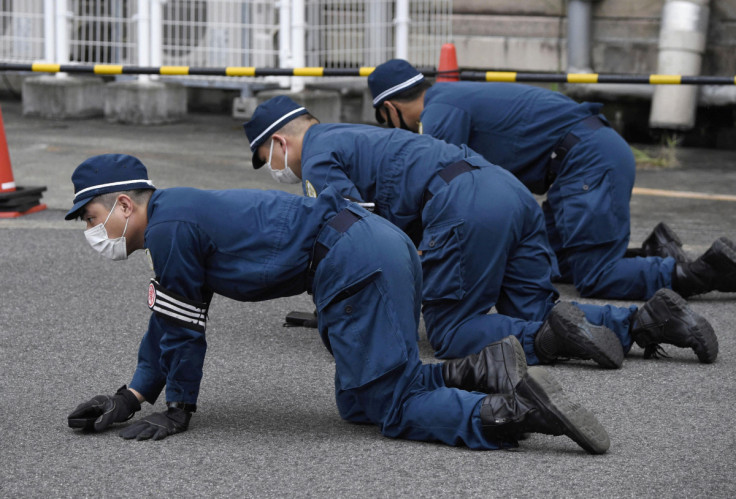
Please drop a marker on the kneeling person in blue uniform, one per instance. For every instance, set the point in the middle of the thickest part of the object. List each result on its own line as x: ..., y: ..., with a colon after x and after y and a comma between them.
x: 364, y: 276
x: 567, y: 150
x: 480, y: 235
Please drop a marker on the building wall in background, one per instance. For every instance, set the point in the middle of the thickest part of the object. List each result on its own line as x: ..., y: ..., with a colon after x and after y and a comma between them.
x: 531, y: 35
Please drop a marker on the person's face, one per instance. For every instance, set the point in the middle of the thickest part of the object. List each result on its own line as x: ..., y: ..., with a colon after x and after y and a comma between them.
x: 95, y: 213
x: 275, y: 155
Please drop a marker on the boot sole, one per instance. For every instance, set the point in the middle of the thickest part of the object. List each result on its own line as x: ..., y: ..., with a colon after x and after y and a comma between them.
x: 577, y: 422
x: 598, y: 343
x: 697, y: 325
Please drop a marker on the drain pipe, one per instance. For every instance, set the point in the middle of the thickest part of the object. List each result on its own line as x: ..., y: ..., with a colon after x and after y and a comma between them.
x: 682, y: 39
x: 579, y: 34
x: 580, y: 58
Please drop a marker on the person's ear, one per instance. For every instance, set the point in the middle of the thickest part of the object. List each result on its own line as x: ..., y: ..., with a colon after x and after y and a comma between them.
x: 280, y: 140
x: 392, y: 114
x: 126, y: 203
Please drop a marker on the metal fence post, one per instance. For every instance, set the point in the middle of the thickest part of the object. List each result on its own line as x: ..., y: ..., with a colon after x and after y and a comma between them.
x: 402, y: 29
x: 61, y: 33
x: 297, y: 42
x: 48, y: 30
x: 284, y: 38
x: 144, y: 35
x: 156, y: 48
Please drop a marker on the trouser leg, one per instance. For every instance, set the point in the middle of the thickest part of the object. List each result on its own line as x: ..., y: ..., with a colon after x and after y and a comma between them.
x: 370, y: 328
x: 526, y: 290
x: 451, y: 339
x: 492, y: 252
x: 588, y: 218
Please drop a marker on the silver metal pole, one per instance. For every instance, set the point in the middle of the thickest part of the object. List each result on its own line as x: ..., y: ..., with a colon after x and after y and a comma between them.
x: 402, y: 29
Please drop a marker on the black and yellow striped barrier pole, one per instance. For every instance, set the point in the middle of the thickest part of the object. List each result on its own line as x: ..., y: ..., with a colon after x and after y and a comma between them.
x: 490, y: 76
x: 652, y: 79
x: 114, y: 69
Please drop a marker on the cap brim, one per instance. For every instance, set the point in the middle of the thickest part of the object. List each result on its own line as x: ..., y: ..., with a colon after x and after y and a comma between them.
x: 257, y: 163
x: 73, y: 213
x: 379, y: 118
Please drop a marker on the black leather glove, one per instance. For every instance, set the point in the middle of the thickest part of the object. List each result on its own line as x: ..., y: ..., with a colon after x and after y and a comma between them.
x: 158, y: 425
x: 103, y: 410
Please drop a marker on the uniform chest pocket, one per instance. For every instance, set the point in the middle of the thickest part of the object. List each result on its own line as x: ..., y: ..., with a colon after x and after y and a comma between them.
x: 443, y: 262
x: 584, y: 210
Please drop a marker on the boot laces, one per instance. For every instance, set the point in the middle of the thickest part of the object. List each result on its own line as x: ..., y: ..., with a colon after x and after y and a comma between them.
x: 655, y: 351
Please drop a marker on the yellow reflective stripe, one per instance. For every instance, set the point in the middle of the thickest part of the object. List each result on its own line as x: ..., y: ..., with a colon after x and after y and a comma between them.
x: 365, y: 71
x: 582, y: 78
x: 309, y: 71
x: 500, y: 76
x: 665, y: 79
x: 45, y: 68
x: 108, y: 69
x: 174, y: 70
x: 240, y: 71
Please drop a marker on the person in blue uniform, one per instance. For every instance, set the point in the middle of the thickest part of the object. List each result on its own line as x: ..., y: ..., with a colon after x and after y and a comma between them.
x: 567, y: 150
x: 480, y: 235
x: 365, y: 279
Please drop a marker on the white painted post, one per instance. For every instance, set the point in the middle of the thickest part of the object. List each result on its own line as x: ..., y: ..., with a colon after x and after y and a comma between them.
x: 682, y: 39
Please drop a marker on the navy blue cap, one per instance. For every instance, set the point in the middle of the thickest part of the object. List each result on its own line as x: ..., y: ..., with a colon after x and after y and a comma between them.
x: 106, y: 173
x: 267, y: 118
x: 391, y: 78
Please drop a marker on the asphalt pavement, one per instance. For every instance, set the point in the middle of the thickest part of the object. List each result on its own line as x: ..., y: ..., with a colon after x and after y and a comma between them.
x: 267, y: 426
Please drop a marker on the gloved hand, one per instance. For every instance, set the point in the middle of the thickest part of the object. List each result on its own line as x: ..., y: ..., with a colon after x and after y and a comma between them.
x: 103, y: 410
x: 158, y: 425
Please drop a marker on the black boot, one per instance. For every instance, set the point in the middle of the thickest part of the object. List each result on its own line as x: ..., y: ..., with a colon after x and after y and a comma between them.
x: 497, y: 368
x: 539, y: 406
x: 664, y: 242
x: 715, y: 270
x: 567, y: 334
x: 667, y: 318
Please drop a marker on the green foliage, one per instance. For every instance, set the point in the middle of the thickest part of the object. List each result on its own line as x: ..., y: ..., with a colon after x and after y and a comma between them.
x: 662, y: 156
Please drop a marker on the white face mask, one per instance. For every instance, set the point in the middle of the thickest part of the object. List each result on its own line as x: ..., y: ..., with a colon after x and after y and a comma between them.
x: 115, y: 249
x: 285, y: 176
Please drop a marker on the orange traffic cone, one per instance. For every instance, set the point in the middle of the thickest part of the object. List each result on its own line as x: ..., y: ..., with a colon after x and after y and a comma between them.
x: 448, y: 69
x: 15, y: 201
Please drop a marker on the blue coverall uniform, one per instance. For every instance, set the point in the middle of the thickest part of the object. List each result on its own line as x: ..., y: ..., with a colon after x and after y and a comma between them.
x: 483, y: 240
x: 519, y: 127
x: 252, y: 245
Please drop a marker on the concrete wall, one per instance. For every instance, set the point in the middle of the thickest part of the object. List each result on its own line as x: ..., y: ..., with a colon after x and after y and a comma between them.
x: 530, y: 35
